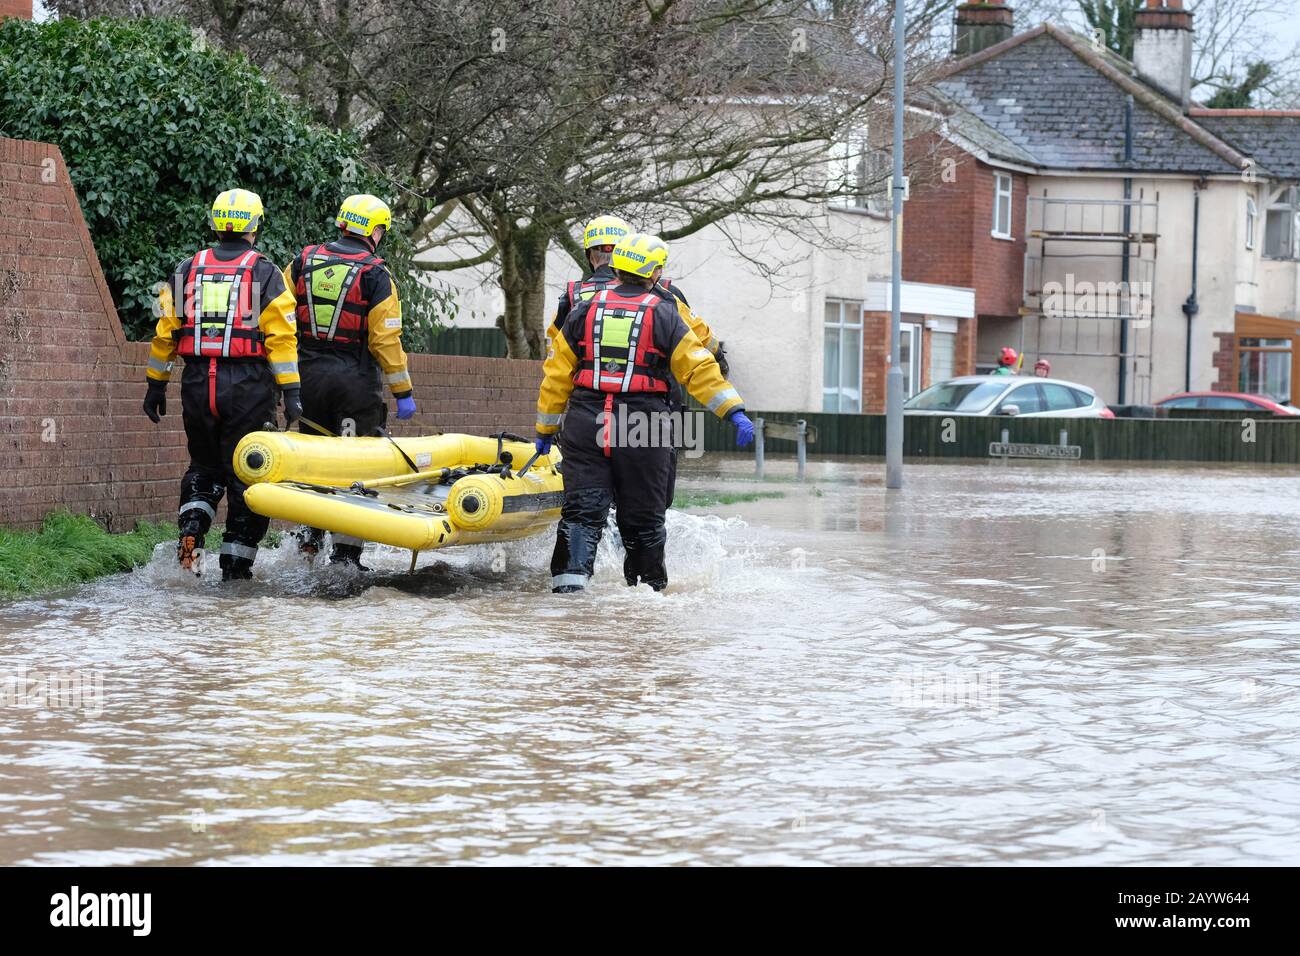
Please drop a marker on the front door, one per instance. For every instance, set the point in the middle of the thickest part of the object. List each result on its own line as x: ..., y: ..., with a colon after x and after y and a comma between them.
x: 910, y: 358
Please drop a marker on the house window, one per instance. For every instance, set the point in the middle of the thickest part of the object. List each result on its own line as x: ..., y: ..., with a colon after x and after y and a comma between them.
x: 1002, y: 205
x: 1251, y: 215
x: 860, y: 174
x: 1264, y: 367
x: 1282, y: 224
x: 842, y: 357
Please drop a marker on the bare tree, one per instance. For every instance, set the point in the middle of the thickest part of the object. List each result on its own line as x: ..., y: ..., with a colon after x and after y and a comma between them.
x: 503, y: 123
x: 681, y: 115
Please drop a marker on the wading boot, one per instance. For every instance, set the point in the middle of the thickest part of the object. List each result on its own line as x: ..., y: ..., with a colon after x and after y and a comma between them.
x: 236, y: 569
x: 567, y: 589
x: 189, y: 550
x: 309, y: 541
x: 348, y: 555
x: 657, y: 584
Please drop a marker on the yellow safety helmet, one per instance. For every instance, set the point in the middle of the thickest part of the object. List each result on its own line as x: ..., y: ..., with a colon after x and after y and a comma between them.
x: 360, y: 214
x: 640, y: 254
x: 236, y: 210
x: 604, y: 231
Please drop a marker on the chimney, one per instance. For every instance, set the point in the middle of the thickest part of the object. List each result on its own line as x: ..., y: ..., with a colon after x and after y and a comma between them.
x: 1162, y: 47
x: 22, y: 9
x: 980, y: 25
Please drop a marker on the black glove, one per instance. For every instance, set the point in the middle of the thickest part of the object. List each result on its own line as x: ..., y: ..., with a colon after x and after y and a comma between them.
x: 155, y: 400
x: 292, y: 404
x: 723, y: 364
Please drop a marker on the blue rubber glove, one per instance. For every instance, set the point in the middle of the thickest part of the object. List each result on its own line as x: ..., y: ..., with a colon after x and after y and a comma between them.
x: 405, y: 407
x: 543, y: 444
x: 744, y: 427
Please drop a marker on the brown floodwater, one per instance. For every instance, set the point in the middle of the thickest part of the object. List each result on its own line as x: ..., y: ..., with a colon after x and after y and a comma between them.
x: 1027, y: 663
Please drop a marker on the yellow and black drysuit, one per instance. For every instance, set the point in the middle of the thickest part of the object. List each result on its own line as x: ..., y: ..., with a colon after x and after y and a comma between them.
x: 227, y: 313
x: 609, y: 365
x: 584, y: 290
x: 349, y: 335
x: 350, y: 345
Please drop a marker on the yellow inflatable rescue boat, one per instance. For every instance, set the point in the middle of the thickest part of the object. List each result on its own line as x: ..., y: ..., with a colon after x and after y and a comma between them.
x: 414, y: 493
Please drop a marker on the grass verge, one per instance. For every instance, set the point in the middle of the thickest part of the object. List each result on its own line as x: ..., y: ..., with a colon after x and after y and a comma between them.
x: 71, y: 549
x: 710, y: 499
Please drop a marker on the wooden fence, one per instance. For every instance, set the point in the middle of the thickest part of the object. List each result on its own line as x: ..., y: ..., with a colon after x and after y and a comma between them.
x: 1263, y: 440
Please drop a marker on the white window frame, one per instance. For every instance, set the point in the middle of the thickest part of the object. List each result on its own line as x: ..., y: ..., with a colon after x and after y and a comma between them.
x: 998, y: 193
x: 1285, y: 199
x: 850, y: 318
x: 913, y: 331
x: 1252, y: 214
x: 850, y: 165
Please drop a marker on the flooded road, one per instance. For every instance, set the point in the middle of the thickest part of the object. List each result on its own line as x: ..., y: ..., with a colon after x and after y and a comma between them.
x: 1028, y: 663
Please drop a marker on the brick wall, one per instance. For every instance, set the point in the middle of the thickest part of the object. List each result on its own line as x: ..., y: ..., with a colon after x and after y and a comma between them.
x: 16, y: 8
x: 964, y: 360
x: 875, y: 360
x: 71, y: 430
x: 947, y: 232
x: 876, y: 351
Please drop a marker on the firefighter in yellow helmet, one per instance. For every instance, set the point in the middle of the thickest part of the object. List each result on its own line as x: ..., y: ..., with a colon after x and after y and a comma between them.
x: 598, y: 241
x: 607, y: 371
x: 350, y: 336
x: 228, y: 314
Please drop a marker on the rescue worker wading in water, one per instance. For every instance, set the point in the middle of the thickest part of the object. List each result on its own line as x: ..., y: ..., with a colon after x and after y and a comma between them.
x: 598, y: 240
x: 228, y: 314
x: 350, y: 338
x: 609, y: 365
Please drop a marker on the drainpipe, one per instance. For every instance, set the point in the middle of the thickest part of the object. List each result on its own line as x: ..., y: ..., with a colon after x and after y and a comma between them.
x: 1124, y: 266
x: 1190, y: 307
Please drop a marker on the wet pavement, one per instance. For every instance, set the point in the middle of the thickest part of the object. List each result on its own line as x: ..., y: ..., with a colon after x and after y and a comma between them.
x: 1022, y: 662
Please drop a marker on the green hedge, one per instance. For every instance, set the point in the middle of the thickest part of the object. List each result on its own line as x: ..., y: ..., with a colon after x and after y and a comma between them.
x: 153, y: 123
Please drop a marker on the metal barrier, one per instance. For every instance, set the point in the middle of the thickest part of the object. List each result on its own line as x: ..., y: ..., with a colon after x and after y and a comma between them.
x: 798, y: 432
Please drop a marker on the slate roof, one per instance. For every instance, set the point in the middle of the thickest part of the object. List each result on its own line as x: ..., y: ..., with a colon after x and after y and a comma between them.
x: 1271, y: 139
x: 969, y: 127
x: 1049, y: 99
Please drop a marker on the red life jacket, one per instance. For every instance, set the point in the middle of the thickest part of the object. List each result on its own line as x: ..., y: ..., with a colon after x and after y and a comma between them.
x: 331, y: 306
x: 617, y: 351
x: 220, y: 318
x: 588, y: 286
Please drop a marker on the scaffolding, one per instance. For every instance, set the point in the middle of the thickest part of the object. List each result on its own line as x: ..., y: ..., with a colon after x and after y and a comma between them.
x: 1090, y: 272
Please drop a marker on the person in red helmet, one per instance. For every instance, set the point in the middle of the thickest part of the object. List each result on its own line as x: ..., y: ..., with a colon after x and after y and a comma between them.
x: 1007, y: 359
x: 1042, y: 368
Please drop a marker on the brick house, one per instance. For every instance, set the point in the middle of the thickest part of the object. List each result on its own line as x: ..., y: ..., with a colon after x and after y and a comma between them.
x: 1063, y: 168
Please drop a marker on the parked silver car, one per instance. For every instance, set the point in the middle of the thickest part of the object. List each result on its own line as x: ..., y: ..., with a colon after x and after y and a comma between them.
x: 1008, y: 395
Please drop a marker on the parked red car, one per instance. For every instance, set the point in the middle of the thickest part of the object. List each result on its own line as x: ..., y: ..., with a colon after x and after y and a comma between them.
x: 1229, y: 400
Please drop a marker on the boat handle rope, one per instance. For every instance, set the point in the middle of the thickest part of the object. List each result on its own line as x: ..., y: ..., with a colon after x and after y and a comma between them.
x: 380, y: 428
x: 320, y: 428
x: 528, y: 464
x: 405, y: 457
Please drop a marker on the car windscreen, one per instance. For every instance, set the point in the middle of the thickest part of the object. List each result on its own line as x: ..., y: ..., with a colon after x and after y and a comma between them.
x: 956, y: 396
